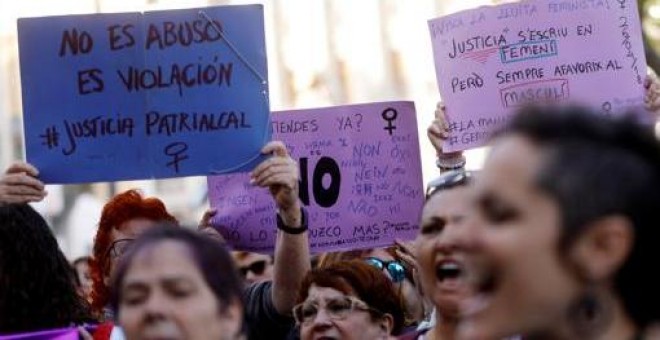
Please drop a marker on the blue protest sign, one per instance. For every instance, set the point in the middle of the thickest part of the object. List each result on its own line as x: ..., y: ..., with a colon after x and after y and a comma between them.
x: 133, y: 96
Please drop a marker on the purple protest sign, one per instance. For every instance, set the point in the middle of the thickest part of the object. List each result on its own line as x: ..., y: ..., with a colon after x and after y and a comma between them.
x: 53, y: 334
x: 492, y: 60
x: 360, y: 179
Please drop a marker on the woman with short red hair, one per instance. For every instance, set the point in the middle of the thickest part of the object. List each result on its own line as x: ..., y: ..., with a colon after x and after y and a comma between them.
x: 124, y: 218
x: 348, y: 300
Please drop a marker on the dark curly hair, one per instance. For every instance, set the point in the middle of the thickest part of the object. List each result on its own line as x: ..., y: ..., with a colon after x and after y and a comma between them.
x: 37, y: 289
x: 120, y: 209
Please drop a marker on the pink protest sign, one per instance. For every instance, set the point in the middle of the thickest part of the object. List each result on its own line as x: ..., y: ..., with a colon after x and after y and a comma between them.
x: 492, y: 60
x: 360, y: 180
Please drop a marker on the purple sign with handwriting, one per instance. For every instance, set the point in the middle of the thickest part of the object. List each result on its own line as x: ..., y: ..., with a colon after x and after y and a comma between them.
x: 54, y: 334
x: 360, y: 180
x: 492, y: 60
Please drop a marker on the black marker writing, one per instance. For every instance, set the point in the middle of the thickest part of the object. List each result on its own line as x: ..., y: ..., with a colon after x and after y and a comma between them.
x: 551, y: 33
x: 182, y: 33
x: 90, y: 81
x: 628, y: 46
x: 295, y: 126
x: 587, y: 67
x: 172, y: 123
x: 76, y: 42
x: 120, y: 39
x: 475, y: 44
x: 95, y: 127
x: 473, y: 81
x: 178, y: 76
x: 177, y: 152
x: 51, y: 137
x: 531, y: 73
x: 390, y: 115
x: 330, y: 231
x: 324, y: 197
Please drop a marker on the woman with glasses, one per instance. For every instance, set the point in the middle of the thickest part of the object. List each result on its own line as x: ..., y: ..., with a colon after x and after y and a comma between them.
x: 391, y: 262
x: 348, y: 300
x: 267, y: 304
x: 167, y: 287
x: 125, y: 217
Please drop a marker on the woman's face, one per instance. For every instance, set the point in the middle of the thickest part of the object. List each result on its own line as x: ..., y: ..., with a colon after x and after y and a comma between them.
x: 332, y: 323
x: 440, y: 256
x: 164, y: 296
x: 121, y: 237
x: 521, y: 285
x: 82, y: 271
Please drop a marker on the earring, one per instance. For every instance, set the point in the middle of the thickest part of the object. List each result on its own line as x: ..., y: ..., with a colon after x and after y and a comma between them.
x: 590, y: 314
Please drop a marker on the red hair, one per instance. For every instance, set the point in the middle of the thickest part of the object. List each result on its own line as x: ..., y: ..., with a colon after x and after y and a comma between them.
x: 364, y: 281
x: 329, y: 258
x: 120, y: 209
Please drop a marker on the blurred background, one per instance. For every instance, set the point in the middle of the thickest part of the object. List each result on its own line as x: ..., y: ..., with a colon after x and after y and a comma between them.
x: 320, y: 53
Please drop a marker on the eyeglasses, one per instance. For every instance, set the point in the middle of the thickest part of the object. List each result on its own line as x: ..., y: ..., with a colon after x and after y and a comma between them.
x: 448, y: 180
x: 336, y: 309
x: 119, y: 248
x: 396, y: 270
x: 257, y: 268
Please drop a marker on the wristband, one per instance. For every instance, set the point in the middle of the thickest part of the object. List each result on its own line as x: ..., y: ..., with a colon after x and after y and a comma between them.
x: 452, y: 163
x: 294, y: 231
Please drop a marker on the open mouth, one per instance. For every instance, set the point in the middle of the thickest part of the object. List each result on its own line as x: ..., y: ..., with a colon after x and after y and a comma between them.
x: 449, y: 270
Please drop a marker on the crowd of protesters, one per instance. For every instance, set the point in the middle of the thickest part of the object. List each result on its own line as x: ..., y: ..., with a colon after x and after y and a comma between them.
x: 554, y: 238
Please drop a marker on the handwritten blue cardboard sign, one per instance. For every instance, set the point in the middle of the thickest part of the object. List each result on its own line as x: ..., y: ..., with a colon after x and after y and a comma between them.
x: 133, y: 96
